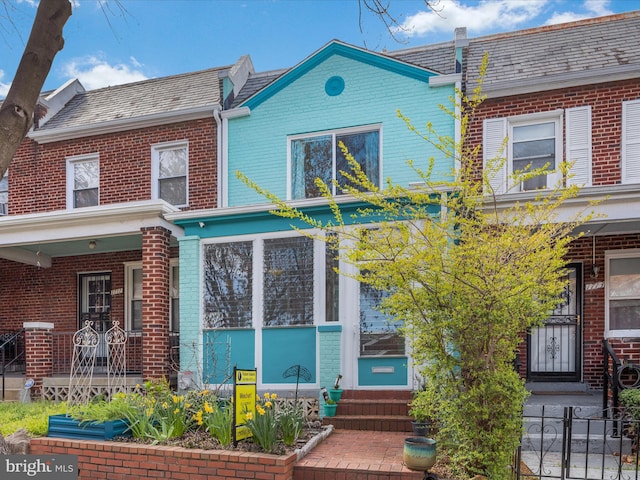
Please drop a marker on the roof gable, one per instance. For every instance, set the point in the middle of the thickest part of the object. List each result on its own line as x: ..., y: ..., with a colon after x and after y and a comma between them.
x: 336, y: 47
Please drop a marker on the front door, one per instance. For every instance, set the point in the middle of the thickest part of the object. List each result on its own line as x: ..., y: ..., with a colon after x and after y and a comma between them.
x: 554, y: 349
x: 94, y: 305
x: 382, y: 360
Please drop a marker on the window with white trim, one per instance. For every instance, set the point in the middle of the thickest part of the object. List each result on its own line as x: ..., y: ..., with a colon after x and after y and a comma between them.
x: 319, y: 156
x: 531, y: 142
x: 622, y: 292
x: 267, y: 281
x: 4, y: 194
x: 133, y: 304
x: 170, y: 168
x: 83, y: 181
x: 631, y: 142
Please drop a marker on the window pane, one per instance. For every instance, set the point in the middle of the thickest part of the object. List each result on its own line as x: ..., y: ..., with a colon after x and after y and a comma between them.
x: 174, y: 190
x: 175, y: 315
x: 137, y: 284
x: 624, y: 314
x: 624, y: 277
x: 332, y: 284
x: 311, y: 158
x: 288, y: 281
x: 533, y: 132
x: 364, y: 147
x: 4, y: 189
x: 172, y: 163
x: 378, y: 333
x: 542, y: 151
x: 136, y: 315
x: 228, y: 278
x: 85, y: 198
x: 86, y: 175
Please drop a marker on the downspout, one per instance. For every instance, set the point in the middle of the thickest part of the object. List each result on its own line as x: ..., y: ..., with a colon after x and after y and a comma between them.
x: 219, y: 153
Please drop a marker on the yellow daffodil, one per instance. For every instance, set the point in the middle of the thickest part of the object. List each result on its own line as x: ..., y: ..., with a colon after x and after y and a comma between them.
x: 249, y: 416
x: 273, y: 396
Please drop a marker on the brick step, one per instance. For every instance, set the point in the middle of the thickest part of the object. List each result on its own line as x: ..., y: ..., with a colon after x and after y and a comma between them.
x: 376, y: 423
x: 405, y: 395
x: 329, y: 473
x: 395, y: 407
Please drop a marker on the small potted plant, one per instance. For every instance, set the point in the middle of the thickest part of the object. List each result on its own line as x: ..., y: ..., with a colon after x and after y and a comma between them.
x: 330, y: 407
x: 422, y: 409
x: 335, y: 393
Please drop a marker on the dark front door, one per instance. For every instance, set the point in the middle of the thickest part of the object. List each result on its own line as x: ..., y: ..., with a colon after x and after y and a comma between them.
x: 554, y: 349
x: 94, y: 305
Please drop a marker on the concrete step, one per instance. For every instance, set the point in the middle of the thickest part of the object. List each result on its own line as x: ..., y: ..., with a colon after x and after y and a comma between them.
x: 13, y: 387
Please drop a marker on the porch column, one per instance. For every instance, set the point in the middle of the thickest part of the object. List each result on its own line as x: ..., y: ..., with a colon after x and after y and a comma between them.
x: 155, y: 303
x: 38, y: 345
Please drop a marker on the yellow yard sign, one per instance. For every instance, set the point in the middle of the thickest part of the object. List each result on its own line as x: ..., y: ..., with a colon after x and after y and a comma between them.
x: 244, y: 401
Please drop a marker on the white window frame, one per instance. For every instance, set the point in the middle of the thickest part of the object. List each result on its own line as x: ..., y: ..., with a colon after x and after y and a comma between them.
x: 257, y: 294
x: 617, y: 255
x: 333, y: 133
x: 70, y: 173
x: 534, y: 119
x: 4, y: 206
x: 129, y: 267
x: 155, y: 167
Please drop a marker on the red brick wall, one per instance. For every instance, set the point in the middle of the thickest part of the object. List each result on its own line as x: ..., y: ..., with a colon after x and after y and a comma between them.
x: 37, y: 176
x: 129, y: 461
x: 606, y: 114
x: 593, y: 315
x: 50, y: 294
x: 38, y: 348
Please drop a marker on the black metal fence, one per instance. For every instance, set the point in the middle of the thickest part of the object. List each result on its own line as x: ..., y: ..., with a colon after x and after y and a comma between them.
x: 562, y: 443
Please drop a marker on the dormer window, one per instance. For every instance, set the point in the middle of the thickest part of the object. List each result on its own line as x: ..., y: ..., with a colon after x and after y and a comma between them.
x: 319, y: 156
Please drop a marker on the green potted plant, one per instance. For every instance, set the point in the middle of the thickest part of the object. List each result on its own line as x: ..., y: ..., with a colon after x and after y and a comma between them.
x: 335, y: 393
x: 422, y: 409
x: 330, y: 407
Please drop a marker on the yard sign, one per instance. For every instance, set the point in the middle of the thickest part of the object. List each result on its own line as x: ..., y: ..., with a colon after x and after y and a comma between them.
x: 244, y: 401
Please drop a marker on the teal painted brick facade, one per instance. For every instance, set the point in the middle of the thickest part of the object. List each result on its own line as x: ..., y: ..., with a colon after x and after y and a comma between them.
x: 190, y: 295
x: 258, y: 143
x: 330, y: 357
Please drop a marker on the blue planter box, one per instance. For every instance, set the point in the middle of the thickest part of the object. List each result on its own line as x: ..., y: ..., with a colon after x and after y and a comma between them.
x: 61, y: 426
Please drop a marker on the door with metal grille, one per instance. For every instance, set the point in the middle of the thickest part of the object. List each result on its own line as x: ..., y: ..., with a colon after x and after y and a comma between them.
x: 554, y: 349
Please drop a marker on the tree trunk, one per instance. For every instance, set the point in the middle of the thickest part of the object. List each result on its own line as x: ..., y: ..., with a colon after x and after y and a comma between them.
x: 45, y: 41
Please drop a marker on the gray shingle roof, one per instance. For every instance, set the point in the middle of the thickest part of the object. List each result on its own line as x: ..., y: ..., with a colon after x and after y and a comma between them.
x: 439, y: 57
x: 255, y: 83
x: 565, y: 51
x: 148, y: 97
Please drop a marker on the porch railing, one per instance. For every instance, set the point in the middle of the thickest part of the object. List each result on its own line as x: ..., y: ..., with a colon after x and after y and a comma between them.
x: 62, y: 350
x: 12, y: 354
x: 611, y: 374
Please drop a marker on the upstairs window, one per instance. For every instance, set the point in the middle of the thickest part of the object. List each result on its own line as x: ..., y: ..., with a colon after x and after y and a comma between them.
x: 535, y: 142
x: 170, y: 167
x: 320, y: 156
x: 83, y: 181
x: 4, y: 194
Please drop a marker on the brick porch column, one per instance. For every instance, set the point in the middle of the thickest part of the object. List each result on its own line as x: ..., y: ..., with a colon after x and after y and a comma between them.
x: 155, y: 302
x: 38, y: 344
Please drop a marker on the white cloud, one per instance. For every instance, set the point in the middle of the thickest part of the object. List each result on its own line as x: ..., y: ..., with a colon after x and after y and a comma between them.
x: 4, y: 87
x: 590, y: 9
x: 95, y: 72
x: 485, y: 16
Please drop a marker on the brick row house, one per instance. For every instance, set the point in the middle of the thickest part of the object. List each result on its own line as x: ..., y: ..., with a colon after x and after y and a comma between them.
x: 85, y: 235
x: 571, y: 92
x: 123, y: 204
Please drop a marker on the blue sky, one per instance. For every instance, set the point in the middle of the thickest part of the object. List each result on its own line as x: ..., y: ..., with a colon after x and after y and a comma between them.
x: 109, y: 42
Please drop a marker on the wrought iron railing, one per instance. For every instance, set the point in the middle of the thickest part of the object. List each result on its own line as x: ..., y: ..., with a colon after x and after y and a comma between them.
x: 611, y: 374
x: 62, y: 352
x: 12, y: 354
x: 577, y: 443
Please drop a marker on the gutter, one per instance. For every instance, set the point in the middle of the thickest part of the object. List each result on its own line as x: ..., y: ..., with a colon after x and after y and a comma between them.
x: 121, y: 124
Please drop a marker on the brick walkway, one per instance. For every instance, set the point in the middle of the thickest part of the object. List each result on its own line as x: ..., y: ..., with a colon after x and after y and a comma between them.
x: 357, y: 454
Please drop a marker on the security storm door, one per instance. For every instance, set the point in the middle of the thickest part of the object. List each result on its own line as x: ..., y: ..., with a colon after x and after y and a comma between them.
x: 554, y: 348
x: 94, y: 304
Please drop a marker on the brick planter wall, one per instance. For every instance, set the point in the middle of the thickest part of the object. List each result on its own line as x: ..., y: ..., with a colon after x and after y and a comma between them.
x: 132, y: 461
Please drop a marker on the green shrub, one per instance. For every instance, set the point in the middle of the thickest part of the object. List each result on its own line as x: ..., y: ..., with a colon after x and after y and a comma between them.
x: 33, y: 417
